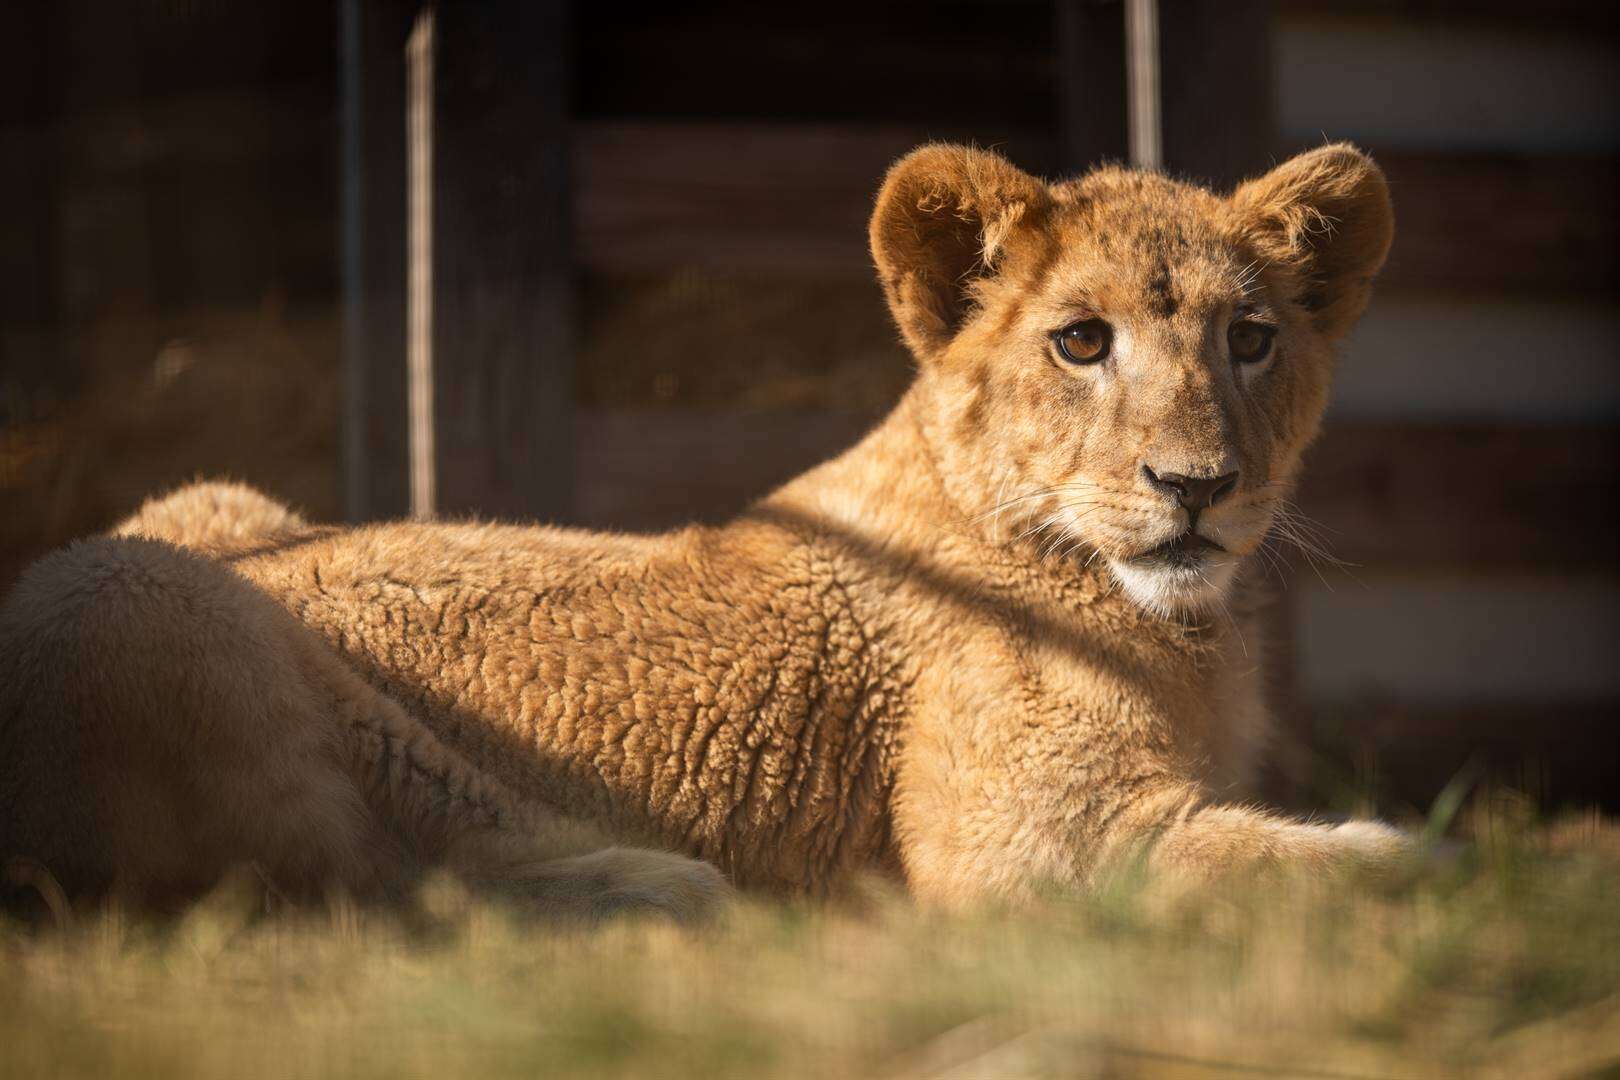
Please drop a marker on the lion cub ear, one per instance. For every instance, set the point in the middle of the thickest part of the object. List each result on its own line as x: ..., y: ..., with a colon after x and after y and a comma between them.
x: 943, y: 216
x: 1326, y: 214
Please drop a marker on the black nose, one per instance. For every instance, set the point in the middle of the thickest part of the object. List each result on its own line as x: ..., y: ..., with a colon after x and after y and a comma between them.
x: 1192, y: 492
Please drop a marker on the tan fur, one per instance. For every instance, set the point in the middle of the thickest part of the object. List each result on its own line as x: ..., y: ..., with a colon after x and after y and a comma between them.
x: 917, y: 658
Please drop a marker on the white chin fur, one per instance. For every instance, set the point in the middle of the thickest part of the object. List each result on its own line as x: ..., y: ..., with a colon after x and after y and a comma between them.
x: 1173, y: 590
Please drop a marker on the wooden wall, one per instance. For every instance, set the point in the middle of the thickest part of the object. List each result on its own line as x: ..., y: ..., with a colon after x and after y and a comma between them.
x: 1468, y: 472
x: 672, y: 200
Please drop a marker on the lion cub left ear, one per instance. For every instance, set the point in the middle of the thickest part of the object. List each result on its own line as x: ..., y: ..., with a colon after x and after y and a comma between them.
x: 943, y: 217
x: 1326, y: 214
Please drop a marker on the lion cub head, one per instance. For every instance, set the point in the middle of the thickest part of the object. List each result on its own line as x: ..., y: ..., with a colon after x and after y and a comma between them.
x: 1122, y: 364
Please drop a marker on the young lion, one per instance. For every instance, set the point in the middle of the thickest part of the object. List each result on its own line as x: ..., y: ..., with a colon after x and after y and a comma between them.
x: 1004, y: 641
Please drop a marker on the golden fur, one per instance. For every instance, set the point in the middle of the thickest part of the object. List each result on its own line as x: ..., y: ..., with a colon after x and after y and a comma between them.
x: 956, y: 653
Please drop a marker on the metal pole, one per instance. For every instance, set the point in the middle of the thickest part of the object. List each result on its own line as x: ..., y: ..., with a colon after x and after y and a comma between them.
x: 352, y: 238
x: 419, y: 265
x: 1142, y: 83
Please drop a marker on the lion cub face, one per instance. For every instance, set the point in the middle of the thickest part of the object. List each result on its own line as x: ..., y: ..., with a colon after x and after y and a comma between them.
x: 1126, y: 366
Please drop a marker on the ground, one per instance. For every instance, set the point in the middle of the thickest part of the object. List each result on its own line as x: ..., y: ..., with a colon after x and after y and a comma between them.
x: 1503, y: 960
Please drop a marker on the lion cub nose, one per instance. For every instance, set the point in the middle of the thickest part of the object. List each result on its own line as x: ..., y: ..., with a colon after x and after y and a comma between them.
x: 1194, y: 493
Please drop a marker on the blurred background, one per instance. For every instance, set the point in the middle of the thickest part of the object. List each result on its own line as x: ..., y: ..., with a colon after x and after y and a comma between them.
x: 639, y: 231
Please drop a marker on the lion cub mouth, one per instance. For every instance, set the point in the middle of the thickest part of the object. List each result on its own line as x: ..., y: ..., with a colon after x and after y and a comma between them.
x: 1188, y: 549
x: 1189, y: 573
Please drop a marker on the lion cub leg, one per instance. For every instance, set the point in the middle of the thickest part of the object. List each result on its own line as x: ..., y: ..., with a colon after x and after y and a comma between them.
x: 155, y: 729
x: 1206, y: 842
x: 588, y: 887
x: 447, y: 813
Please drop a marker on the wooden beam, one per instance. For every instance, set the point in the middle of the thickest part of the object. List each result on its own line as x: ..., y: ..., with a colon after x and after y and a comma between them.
x: 907, y: 62
x: 503, y: 298
x: 1091, y: 84
x: 1143, y: 124
x: 1560, y: 753
x: 1545, y: 17
x: 30, y: 351
x: 1467, y: 497
x: 795, y: 200
x: 659, y: 468
x: 373, y: 240
x: 1215, y: 88
x: 1500, y: 223
x: 652, y: 197
x: 420, y: 422
x: 1394, y: 496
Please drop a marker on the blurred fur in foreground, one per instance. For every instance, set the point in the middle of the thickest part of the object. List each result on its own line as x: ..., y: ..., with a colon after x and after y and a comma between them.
x: 1506, y: 963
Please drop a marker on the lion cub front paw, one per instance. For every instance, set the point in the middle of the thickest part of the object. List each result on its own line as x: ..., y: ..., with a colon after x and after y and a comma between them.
x: 1374, y: 845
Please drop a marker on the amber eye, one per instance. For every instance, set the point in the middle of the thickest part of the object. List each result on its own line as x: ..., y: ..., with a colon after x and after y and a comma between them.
x: 1250, y: 342
x: 1084, y: 342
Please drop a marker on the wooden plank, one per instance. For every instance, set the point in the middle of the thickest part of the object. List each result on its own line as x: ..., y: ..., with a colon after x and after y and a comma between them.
x: 651, y: 197
x: 1499, y: 223
x: 794, y: 200
x: 29, y: 349
x: 1466, y: 497
x: 1455, y: 498
x: 420, y: 423
x: 1560, y: 753
x: 374, y: 441
x: 103, y: 234
x: 503, y: 298
x: 659, y: 468
x: 1544, y: 17
x: 738, y: 196
x: 903, y: 62
x: 1091, y: 83
x: 1215, y: 88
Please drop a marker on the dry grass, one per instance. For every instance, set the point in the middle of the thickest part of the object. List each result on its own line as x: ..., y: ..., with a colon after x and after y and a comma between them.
x: 1505, y: 962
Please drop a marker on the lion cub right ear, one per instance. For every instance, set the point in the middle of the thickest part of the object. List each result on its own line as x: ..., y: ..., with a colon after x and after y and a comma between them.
x: 1326, y: 214
x: 943, y: 216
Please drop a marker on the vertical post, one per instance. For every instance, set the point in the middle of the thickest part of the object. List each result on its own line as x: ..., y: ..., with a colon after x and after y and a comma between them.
x: 1091, y: 83
x: 1215, y: 88
x: 1142, y: 74
x: 1287, y: 780
x: 372, y: 156
x: 502, y: 268
x: 419, y: 62
x: 31, y: 70
x: 351, y: 238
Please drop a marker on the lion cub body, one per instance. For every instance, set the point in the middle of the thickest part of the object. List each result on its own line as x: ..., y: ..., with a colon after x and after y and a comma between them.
x: 908, y: 660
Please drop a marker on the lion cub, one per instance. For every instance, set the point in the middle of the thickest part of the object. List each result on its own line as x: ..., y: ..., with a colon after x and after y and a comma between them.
x: 1001, y: 643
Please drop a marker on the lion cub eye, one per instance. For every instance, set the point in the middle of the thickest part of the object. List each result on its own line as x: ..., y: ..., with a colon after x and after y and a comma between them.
x: 1084, y: 342
x: 1250, y: 342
